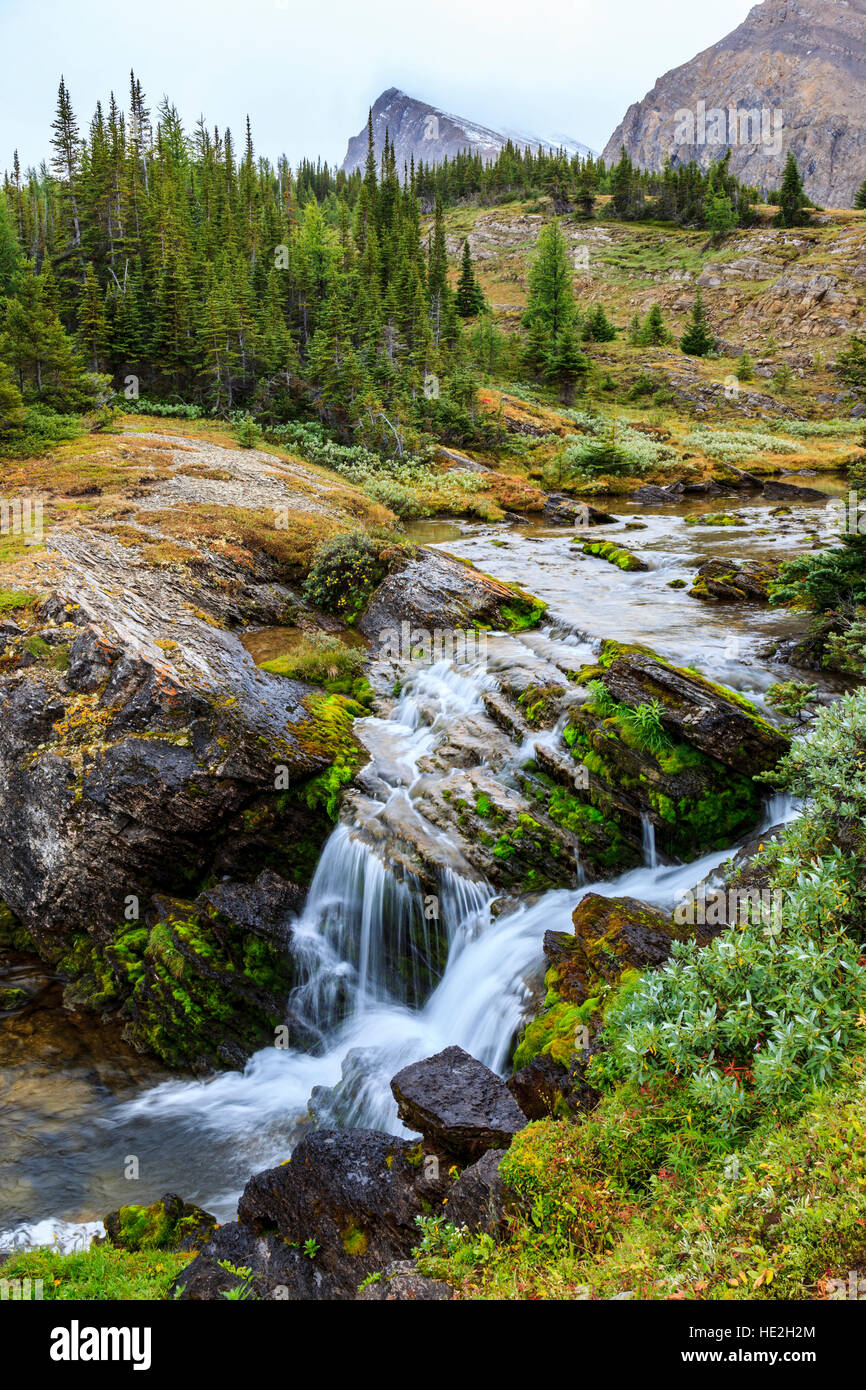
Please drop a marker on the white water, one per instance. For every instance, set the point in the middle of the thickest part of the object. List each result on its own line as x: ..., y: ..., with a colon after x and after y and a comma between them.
x: 648, y: 841
x: 357, y: 920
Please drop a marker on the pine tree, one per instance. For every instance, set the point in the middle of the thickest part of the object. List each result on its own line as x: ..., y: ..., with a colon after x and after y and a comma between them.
x: 11, y: 260
x: 470, y: 296
x: 860, y: 196
x: 34, y: 343
x: 792, y: 196
x: 12, y: 415
x: 653, y: 332
x: 698, y: 339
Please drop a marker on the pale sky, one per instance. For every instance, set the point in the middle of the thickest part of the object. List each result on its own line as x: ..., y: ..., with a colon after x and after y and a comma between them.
x: 306, y: 72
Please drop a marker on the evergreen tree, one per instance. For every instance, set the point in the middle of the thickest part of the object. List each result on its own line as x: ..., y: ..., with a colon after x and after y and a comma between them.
x: 698, y: 339
x: 470, y: 296
x: 566, y: 365
x: 12, y: 414
x: 597, y: 327
x: 551, y: 293
x: 653, y: 332
x: 860, y: 196
x: 792, y: 196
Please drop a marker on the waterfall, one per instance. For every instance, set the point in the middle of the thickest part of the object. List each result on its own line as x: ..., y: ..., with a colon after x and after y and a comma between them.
x: 364, y: 947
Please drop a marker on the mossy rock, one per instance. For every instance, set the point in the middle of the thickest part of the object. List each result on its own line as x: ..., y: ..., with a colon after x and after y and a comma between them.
x: 614, y: 554
x: 168, y: 1224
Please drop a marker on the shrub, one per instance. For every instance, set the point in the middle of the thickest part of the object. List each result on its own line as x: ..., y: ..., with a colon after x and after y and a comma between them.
x: 345, y: 571
x: 734, y: 445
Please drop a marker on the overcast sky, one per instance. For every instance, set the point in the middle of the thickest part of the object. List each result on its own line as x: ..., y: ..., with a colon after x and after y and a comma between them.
x: 307, y: 70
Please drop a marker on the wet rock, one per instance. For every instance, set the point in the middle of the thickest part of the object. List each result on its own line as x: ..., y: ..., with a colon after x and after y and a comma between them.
x: 721, y: 724
x: 651, y: 493
x: 457, y: 1103
x: 734, y: 581
x: 614, y: 554
x: 12, y: 998
x: 433, y: 591
x: 478, y: 1199
x: 610, y: 935
x: 264, y: 907
x: 561, y: 510
x: 278, y: 1271
x: 168, y: 1224
x: 352, y: 1191
x: 775, y: 489
x: 546, y: 1086
x: 401, y: 1282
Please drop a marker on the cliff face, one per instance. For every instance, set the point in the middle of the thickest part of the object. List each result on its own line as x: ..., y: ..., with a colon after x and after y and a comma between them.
x: 792, y: 76
x: 423, y: 132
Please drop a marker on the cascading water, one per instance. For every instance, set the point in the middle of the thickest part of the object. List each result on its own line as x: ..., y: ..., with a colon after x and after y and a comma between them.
x: 366, y: 912
x: 359, y: 920
x: 648, y: 841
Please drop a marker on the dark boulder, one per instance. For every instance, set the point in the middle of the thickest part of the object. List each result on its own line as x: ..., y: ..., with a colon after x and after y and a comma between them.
x: 478, y: 1198
x: 277, y: 1271
x: 560, y: 510
x: 401, y: 1282
x: 354, y: 1192
x: 457, y: 1103
x: 547, y: 1087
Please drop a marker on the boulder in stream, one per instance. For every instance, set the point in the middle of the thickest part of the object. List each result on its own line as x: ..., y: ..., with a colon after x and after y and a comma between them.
x: 734, y: 581
x: 457, y: 1103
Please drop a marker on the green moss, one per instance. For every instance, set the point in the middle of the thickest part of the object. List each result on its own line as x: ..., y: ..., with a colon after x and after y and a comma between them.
x: 354, y: 1240
x: 328, y: 733
x: 16, y: 600
x: 13, y: 937
x: 614, y: 554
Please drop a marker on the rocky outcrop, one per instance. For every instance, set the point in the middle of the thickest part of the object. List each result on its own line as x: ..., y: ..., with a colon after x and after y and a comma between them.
x: 800, y: 66
x: 434, y: 593
x: 144, y: 757
x: 422, y: 133
x: 458, y: 1105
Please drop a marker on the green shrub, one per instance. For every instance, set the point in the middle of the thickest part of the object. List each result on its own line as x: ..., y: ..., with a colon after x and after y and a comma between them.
x: 345, y: 571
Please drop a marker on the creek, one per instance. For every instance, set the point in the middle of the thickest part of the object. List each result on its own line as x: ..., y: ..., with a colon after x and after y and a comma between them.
x: 77, y: 1106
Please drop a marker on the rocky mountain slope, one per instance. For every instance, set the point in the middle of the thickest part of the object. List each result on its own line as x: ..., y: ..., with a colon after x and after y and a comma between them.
x: 423, y: 132
x: 802, y: 66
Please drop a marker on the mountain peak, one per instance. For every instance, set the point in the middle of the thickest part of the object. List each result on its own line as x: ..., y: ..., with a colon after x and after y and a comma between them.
x: 423, y: 132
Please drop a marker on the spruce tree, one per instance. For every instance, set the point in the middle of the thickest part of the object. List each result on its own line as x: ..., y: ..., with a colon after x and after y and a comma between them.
x: 470, y: 296
x: 860, y: 196
x: 792, y: 196
x: 551, y: 292
x: 597, y: 327
x: 566, y: 365
x: 698, y: 339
